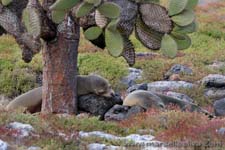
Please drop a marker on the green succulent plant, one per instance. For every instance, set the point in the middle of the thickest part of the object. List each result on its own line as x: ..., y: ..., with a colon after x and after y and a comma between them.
x: 115, y: 20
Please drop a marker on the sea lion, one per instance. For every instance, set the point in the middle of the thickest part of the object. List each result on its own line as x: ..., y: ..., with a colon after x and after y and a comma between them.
x: 86, y: 84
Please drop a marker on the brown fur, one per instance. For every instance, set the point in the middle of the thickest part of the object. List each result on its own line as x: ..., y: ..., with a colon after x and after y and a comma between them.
x: 32, y: 99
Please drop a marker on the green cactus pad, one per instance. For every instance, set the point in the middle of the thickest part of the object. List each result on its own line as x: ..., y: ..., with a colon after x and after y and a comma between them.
x: 6, y: 2
x: 186, y: 29
x: 149, y: 1
x: 92, y: 33
x: 176, y: 6
x: 64, y: 5
x: 112, y: 26
x: 58, y: 16
x: 95, y: 2
x: 32, y: 21
x: 191, y: 4
x: 114, y: 43
x: 158, y: 19
x: 84, y: 9
x: 148, y: 37
x: 169, y: 46
x: 185, y: 18
x: 110, y: 10
x: 183, y: 41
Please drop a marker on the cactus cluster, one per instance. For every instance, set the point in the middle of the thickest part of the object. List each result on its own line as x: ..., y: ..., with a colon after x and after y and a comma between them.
x: 155, y: 26
x: 183, y: 17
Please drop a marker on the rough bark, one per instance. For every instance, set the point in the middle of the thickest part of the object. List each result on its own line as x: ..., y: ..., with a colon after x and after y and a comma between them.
x: 60, y: 70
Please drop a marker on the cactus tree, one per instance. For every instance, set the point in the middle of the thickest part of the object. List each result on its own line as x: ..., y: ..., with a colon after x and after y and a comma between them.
x: 54, y: 26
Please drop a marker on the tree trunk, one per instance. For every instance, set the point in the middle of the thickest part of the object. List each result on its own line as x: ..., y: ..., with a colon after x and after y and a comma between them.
x: 60, y: 69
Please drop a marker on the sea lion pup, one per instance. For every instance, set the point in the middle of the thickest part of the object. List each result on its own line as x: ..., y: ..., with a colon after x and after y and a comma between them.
x: 147, y: 99
x: 86, y: 84
x: 142, y: 98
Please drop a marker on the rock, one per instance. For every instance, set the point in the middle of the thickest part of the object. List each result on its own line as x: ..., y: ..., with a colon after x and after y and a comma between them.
x: 134, y: 74
x: 34, y: 148
x: 221, y: 131
x: 120, y: 112
x: 178, y: 69
x: 145, y: 131
x: 97, y: 105
x: 206, y: 2
x: 23, y: 129
x: 97, y: 146
x: 143, y: 86
x: 214, y: 80
x: 145, y: 142
x: 217, y: 65
x: 219, y: 107
x: 160, y: 86
x: 3, y: 145
x: 215, y: 93
x: 179, y: 96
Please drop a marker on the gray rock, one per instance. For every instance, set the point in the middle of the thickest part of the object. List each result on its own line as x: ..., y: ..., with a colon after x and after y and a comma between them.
x: 134, y: 74
x: 97, y: 146
x: 179, y: 96
x: 146, y: 131
x: 24, y: 129
x: 221, y: 131
x: 119, y: 112
x: 219, y: 107
x: 3, y: 145
x: 218, y: 65
x: 34, y: 148
x: 145, y: 142
x: 160, y: 86
x: 143, y: 86
x: 215, y: 93
x: 206, y: 2
x: 97, y: 105
x: 214, y: 80
x: 178, y: 69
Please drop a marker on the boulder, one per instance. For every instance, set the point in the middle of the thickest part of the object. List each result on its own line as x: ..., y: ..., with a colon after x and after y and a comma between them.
x: 217, y: 65
x: 219, y: 107
x: 221, y: 131
x: 142, y: 142
x: 120, y: 112
x: 24, y: 130
x: 34, y: 148
x: 134, y: 74
x: 215, y: 93
x: 178, y: 69
x: 97, y: 105
x: 135, y: 87
x: 214, y: 80
x: 179, y: 96
x: 98, y: 146
x: 160, y: 86
x: 3, y: 145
